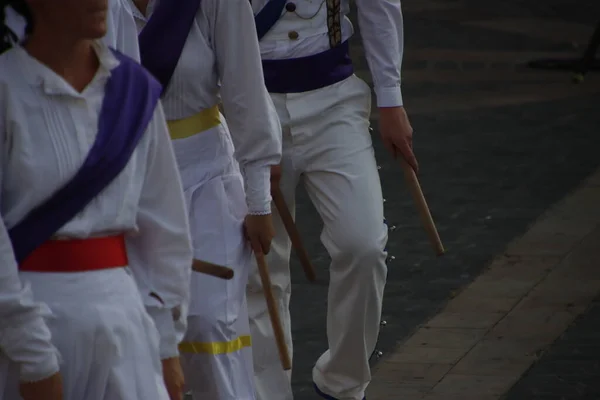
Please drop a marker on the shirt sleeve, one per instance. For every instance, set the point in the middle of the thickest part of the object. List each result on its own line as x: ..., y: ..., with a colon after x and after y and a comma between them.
x: 250, y: 112
x: 24, y: 335
x: 382, y: 31
x: 160, y: 254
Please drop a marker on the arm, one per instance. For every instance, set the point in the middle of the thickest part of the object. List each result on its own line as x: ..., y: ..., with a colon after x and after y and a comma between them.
x: 382, y: 31
x: 24, y: 336
x: 160, y: 254
x: 251, y: 115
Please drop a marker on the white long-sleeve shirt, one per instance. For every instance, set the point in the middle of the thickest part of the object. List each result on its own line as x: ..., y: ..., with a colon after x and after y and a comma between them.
x: 121, y: 32
x: 381, y: 29
x: 221, y: 61
x: 46, y: 131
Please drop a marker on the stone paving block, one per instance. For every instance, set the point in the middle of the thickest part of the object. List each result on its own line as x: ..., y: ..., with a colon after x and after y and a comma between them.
x: 451, y: 338
x: 418, y: 373
x: 561, y: 293
x: 521, y: 268
x: 473, y: 385
x: 498, y: 357
x: 428, y: 355
x: 542, y: 325
x: 474, y: 320
x: 472, y: 301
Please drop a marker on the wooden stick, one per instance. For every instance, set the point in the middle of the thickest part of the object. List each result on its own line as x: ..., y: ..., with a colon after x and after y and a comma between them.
x: 415, y: 189
x: 284, y: 355
x: 218, y: 271
x: 292, y: 231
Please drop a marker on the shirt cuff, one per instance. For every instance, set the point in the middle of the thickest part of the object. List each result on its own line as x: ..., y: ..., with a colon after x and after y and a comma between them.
x: 389, y: 96
x: 165, y: 324
x: 258, y: 189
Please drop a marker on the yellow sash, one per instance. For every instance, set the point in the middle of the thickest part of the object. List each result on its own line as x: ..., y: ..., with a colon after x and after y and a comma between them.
x: 203, y: 121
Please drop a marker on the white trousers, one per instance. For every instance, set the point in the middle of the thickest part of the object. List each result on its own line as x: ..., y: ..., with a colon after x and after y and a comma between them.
x: 216, y: 351
x: 107, y: 342
x: 327, y: 145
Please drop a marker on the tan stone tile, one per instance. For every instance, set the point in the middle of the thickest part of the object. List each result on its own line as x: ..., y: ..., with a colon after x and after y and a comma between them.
x: 498, y: 357
x: 561, y: 291
x: 425, y: 355
x: 420, y: 373
x: 582, y: 263
x: 473, y: 301
x: 543, y: 325
x: 522, y: 268
x: 452, y: 338
x: 542, y: 240
x: 582, y: 205
x: 473, y: 385
x: 481, y: 320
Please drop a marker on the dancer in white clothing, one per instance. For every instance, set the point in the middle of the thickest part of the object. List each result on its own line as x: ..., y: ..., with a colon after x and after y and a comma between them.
x: 91, y: 199
x: 206, y: 52
x: 324, y: 110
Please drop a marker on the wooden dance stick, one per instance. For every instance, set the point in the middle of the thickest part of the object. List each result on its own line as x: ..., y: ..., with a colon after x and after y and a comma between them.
x: 415, y: 189
x: 292, y: 231
x: 284, y: 355
x: 218, y: 271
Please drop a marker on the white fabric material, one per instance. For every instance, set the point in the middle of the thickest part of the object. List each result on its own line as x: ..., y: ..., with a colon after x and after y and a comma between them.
x: 381, y: 28
x: 46, y: 131
x: 214, y: 193
x: 327, y: 146
x: 121, y: 32
x: 108, y: 344
x: 221, y: 62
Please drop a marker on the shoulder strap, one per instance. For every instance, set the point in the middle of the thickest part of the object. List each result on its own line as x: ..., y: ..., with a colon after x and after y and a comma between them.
x: 131, y: 95
x: 164, y: 36
x: 268, y: 16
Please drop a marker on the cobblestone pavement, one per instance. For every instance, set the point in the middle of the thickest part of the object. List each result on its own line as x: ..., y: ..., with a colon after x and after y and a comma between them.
x: 490, y: 333
x: 498, y: 144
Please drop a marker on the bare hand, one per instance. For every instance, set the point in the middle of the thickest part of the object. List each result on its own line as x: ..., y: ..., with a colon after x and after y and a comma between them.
x: 173, y: 377
x: 46, y: 389
x: 275, y: 176
x: 396, y: 133
x: 259, y: 231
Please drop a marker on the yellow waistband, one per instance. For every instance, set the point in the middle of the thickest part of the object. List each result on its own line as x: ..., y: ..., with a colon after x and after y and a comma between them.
x: 203, y: 121
x: 215, y: 347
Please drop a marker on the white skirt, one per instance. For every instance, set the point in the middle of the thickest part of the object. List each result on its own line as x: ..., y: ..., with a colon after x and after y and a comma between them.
x: 107, y: 342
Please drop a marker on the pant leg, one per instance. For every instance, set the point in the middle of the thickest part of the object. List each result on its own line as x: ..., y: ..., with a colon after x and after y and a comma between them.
x: 271, y: 381
x: 342, y: 181
x: 216, y: 351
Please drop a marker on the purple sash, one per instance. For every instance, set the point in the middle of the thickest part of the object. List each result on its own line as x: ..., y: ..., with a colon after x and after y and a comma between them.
x: 131, y: 95
x: 297, y: 75
x: 164, y: 36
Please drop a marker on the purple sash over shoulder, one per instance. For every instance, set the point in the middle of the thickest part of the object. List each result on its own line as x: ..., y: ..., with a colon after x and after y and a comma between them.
x: 164, y: 36
x: 131, y: 95
x: 303, y: 74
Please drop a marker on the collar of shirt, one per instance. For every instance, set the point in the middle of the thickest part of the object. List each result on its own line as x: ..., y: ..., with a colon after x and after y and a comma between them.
x: 36, y: 73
